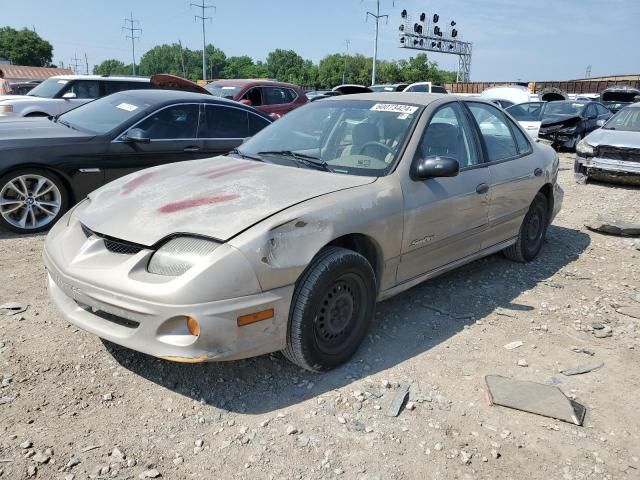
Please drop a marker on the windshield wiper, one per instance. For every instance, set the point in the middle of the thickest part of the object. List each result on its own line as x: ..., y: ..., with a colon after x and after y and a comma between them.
x: 242, y: 155
x: 307, y: 160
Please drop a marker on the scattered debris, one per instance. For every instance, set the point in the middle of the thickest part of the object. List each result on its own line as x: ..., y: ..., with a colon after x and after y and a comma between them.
x: 597, y: 325
x: 613, y: 227
x: 586, y: 351
x: 514, y: 345
x: 607, y: 331
x: 291, y: 430
x: 523, y: 363
x: 532, y: 397
x: 581, y: 369
x: 5, y: 460
x: 13, y: 308
x: 153, y: 473
x: 398, y: 400
x: 6, y: 399
x: 90, y: 447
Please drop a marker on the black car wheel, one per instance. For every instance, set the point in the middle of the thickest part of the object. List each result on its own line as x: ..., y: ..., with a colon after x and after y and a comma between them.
x: 31, y: 200
x: 331, y: 310
x: 532, y: 232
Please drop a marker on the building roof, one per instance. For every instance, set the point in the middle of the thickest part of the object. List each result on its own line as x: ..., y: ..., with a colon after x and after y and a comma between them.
x: 20, y: 72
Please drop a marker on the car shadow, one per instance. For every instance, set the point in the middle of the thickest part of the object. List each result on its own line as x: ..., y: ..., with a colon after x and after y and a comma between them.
x: 444, y: 306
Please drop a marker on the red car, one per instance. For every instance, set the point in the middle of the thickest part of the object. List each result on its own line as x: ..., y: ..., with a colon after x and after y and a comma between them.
x: 269, y: 97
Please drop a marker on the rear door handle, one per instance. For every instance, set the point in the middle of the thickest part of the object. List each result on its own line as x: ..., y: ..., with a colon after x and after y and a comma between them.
x: 191, y: 149
x: 482, y: 188
x: 537, y: 172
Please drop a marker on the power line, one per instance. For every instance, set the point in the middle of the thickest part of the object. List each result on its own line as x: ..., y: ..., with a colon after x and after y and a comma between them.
x: 377, y: 17
x: 133, y: 34
x: 203, y: 7
x: 75, y: 64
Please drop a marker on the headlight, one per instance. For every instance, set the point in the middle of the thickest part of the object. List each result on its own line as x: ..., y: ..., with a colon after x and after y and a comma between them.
x: 75, y: 211
x: 583, y: 149
x: 180, y: 254
x: 6, y: 108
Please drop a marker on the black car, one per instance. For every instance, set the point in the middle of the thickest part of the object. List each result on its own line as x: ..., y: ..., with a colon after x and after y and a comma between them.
x: 48, y: 164
x: 565, y: 123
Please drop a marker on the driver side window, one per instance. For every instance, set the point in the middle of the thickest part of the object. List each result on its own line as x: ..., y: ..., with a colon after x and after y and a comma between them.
x: 449, y: 135
x: 172, y: 123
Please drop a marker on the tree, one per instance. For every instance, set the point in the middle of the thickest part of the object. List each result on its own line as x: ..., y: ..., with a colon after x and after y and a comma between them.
x: 240, y: 67
x: 286, y: 66
x: 216, y: 61
x: 25, y: 47
x: 112, y: 67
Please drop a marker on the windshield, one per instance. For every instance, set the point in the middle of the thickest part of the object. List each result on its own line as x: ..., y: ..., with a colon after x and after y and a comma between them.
x: 564, y: 108
x: 627, y: 119
x: 354, y: 137
x: 49, y: 88
x: 527, y: 112
x: 225, y: 91
x: 103, y: 115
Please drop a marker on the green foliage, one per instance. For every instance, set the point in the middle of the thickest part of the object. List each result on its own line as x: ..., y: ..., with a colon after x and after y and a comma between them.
x: 112, y: 67
x: 25, y: 47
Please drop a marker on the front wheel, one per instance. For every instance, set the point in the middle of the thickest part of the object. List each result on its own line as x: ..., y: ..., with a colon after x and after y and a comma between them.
x: 331, y: 310
x: 31, y: 200
x: 532, y: 232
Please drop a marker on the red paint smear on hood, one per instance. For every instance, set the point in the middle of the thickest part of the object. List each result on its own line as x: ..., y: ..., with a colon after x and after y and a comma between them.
x: 196, y: 202
x: 220, y: 172
x: 131, y: 185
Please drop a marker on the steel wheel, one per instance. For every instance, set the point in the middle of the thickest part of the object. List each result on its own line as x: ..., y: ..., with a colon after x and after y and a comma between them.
x: 30, y: 201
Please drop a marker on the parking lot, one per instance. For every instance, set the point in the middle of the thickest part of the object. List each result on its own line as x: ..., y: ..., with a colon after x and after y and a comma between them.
x: 74, y: 407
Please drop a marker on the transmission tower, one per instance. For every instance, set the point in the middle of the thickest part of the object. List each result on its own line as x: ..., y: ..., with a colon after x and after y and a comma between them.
x: 133, y: 33
x: 75, y: 64
x: 377, y: 17
x: 203, y: 8
x: 588, y: 72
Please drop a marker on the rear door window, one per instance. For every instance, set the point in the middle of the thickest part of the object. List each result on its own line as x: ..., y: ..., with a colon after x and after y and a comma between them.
x: 172, y: 123
x: 278, y: 95
x: 225, y: 122
x: 495, y: 131
x: 256, y: 123
x: 524, y: 147
x: 85, y: 89
x: 254, y: 95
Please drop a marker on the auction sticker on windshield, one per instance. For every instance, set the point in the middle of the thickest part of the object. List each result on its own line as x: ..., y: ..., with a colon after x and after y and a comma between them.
x: 127, y: 106
x: 394, y: 108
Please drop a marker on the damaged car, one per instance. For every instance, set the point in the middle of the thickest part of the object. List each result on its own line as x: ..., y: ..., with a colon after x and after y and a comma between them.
x: 612, y: 151
x: 287, y: 243
x: 618, y: 97
x: 565, y: 123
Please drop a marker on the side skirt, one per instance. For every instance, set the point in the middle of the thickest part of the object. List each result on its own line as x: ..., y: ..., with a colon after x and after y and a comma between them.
x: 407, y: 284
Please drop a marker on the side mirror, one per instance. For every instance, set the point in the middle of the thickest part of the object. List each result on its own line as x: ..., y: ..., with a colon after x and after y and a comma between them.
x: 435, y: 167
x: 69, y: 95
x: 600, y: 123
x: 135, y: 135
x: 246, y: 101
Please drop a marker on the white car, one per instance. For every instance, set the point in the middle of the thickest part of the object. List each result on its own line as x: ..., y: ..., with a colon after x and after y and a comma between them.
x: 425, y: 87
x: 59, y: 94
x: 529, y: 116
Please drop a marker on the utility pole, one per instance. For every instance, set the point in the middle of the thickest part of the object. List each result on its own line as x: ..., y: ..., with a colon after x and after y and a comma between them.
x: 184, y: 70
x: 75, y: 62
x: 344, y: 72
x: 377, y: 16
x: 203, y: 8
x: 86, y: 63
x: 133, y: 34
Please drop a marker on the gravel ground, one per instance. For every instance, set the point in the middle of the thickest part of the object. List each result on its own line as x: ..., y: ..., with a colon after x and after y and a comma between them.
x: 72, y: 407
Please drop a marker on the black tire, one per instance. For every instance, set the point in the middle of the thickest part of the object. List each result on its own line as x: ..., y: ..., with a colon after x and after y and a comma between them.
x: 532, y: 232
x: 41, y: 221
x: 331, y: 310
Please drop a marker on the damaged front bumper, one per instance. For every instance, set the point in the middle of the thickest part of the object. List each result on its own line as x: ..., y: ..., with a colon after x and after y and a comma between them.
x: 606, y: 165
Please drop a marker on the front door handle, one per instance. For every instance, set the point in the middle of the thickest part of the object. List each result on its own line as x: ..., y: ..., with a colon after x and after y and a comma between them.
x: 537, y: 172
x: 482, y: 188
x: 191, y: 149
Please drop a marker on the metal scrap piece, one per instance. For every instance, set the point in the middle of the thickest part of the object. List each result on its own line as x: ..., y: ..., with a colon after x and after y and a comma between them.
x: 581, y: 369
x: 13, y: 308
x: 613, y: 227
x: 398, y: 400
x: 532, y: 397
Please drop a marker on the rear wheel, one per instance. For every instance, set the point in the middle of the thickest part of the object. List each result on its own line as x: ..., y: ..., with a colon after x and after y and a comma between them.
x: 331, y: 310
x: 31, y: 200
x: 532, y: 232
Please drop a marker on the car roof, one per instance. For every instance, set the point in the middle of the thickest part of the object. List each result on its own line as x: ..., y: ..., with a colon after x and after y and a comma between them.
x: 168, y: 96
x: 242, y: 82
x: 101, y: 77
x: 417, y: 98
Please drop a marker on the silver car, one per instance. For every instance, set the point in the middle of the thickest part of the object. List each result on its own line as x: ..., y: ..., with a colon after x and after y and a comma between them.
x: 288, y: 242
x: 614, y: 149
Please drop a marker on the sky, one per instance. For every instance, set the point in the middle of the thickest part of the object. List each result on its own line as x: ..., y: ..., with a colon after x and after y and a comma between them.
x: 512, y: 39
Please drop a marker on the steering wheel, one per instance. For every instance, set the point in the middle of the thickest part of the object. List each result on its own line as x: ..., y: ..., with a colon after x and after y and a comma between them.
x: 380, y: 146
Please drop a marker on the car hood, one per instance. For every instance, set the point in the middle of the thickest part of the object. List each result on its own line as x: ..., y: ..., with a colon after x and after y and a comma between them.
x: 614, y: 138
x: 32, y: 132
x: 25, y: 98
x: 216, y: 197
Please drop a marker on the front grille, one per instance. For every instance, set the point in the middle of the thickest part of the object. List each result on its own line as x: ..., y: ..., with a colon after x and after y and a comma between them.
x: 121, y: 247
x: 617, y: 153
x: 124, y: 322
